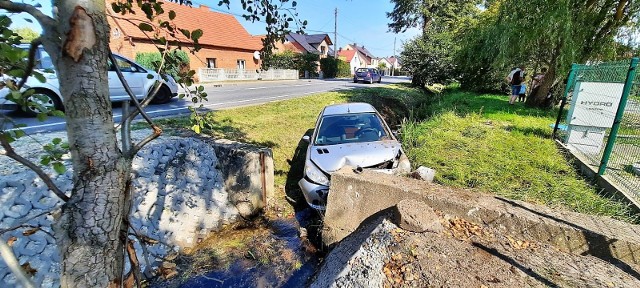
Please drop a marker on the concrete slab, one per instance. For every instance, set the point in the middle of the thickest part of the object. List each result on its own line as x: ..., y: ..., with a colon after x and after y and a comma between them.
x: 355, y: 197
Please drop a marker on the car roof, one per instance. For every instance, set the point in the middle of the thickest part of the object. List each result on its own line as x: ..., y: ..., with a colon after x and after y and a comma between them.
x: 348, y: 108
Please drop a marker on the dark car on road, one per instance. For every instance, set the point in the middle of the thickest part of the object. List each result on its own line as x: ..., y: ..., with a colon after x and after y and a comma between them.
x: 367, y: 75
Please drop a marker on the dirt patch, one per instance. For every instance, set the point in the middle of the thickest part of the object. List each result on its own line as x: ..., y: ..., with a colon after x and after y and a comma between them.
x: 469, y: 255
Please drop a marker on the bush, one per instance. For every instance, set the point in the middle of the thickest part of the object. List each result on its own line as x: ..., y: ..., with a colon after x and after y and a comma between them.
x: 430, y: 59
x: 176, y: 61
x: 332, y: 68
x: 284, y: 60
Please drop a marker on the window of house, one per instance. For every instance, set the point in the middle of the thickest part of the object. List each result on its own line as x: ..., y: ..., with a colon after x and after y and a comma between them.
x: 241, y: 64
x: 323, y: 50
x: 211, y: 63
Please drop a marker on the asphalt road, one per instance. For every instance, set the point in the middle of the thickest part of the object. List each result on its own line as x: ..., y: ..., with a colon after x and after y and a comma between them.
x: 227, y: 95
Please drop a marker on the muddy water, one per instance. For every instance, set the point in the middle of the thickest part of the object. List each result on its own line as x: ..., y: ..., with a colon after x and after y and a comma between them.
x: 286, y: 247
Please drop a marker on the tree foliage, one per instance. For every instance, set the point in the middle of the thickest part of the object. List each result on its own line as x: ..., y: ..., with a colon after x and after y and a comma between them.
x: 543, y: 33
x: 27, y: 34
x: 430, y: 59
x: 92, y: 228
x: 425, y: 13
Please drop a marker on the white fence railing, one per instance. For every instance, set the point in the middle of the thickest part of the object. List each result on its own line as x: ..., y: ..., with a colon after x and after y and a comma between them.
x: 221, y: 74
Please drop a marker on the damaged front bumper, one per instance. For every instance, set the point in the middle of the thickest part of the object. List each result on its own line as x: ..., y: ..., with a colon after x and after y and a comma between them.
x: 316, y: 194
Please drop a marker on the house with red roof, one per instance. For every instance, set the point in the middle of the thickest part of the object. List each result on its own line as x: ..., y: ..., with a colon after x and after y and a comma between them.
x: 371, y: 61
x: 355, y: 58
x: 224, y: 42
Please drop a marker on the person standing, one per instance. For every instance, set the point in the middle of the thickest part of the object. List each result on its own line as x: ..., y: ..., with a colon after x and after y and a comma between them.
x: 515, y: 78
x: 523, y: 91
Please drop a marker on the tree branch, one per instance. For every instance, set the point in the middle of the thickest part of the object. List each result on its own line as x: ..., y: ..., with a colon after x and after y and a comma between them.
x: 43, y: 19
x: 11, y: 261
x: 32, y: 61
x: 22, y: 223
x: 9, y: 152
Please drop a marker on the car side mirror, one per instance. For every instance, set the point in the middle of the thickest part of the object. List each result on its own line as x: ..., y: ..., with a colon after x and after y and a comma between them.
x: 306, y: 138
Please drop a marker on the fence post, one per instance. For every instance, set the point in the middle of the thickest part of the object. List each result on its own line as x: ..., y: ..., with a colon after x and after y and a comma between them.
x: 572, y: 76
x: 618, y: 119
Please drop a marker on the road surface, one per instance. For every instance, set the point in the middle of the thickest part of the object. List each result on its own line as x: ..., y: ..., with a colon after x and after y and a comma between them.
x: 220, y: 97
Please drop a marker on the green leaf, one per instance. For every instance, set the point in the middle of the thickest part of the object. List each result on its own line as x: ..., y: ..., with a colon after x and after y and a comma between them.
x: 56, y: 141
x: 196, y: 128
x: 186, y: 33
x: 42, y: 117
x: 172, y: 15
x: 145, y: 27
x: 59, y: 167
x: 45, y: 160
x: 196, y: 34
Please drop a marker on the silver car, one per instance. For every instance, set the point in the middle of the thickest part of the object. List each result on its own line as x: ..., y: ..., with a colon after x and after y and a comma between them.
x: 352, y: 134
x: 140, y: 80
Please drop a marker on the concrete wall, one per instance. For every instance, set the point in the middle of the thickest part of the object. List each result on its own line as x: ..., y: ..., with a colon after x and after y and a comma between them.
x: 355, y: 197
x: 184, y: 189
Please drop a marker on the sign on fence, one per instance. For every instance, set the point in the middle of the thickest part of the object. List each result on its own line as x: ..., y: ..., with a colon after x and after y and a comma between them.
x: 593, y: 109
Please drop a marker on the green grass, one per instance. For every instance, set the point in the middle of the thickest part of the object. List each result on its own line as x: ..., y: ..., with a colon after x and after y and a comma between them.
x: 483, y: 143
x: 473, y: 141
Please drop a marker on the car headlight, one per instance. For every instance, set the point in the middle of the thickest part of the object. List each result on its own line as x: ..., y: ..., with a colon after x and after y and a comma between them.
x: 315, y: 174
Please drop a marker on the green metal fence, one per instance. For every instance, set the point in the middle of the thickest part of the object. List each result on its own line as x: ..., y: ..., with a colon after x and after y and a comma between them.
x: 599, y: 120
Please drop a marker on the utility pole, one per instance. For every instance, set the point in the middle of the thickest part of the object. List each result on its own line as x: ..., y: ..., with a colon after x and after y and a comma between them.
x: 335, y: 34
x: 393, y: 65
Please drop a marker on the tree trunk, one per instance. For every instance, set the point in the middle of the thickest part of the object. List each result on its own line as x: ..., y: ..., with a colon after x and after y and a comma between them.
x: 89, y: 231
x: 539, y: 98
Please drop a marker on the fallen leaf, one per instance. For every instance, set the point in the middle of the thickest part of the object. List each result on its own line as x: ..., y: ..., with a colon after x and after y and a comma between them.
x: 11, y: 240
x: 28, y: 269
x: 30, y: 231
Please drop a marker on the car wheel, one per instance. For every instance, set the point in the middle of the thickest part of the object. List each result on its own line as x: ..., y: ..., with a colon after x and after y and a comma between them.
x: 371, y: 80
x: 163, y: 96
x: 355, y: 80
x: 44, y: 98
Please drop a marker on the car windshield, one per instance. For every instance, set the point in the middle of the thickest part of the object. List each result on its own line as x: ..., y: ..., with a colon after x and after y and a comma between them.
x: 361, y: 70
x: 350, y: 128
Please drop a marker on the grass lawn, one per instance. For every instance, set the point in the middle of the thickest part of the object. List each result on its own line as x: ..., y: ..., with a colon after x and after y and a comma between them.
x: 481, y: 142
x: 473, y: 141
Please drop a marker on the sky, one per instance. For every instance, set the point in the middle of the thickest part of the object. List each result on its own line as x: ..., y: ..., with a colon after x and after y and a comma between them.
x: 359, y: 21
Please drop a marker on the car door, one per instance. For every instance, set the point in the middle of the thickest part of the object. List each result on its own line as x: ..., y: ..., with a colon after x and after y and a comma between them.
x: 134, y: 75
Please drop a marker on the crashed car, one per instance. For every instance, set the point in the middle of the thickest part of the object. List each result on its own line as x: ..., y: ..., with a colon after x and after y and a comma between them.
x: 352, y: 134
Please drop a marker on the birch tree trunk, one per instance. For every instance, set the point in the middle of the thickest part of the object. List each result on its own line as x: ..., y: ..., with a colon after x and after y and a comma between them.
x: 91, y: 230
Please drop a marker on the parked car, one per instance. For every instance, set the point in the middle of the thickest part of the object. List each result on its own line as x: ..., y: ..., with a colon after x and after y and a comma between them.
x: 352, y: 134
x: 137, y: 77
x: 368, y: 75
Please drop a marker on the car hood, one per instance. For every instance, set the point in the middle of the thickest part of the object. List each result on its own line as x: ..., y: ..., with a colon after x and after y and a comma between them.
x: 331, y: 158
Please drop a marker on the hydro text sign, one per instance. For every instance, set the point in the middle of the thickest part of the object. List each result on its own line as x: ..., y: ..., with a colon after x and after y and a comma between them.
x: 595, y: 104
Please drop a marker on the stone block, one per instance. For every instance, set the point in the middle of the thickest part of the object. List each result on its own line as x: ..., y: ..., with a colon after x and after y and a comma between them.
x: 424, y: 173
x: 417, y: 216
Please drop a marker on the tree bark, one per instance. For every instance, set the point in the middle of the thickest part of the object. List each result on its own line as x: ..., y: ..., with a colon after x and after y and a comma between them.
x: 89, y: 230
x: 539, y: 99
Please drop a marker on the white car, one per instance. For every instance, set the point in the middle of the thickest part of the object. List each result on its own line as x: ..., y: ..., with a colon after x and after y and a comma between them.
x: 136, y: 76
x: 352, y: 134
